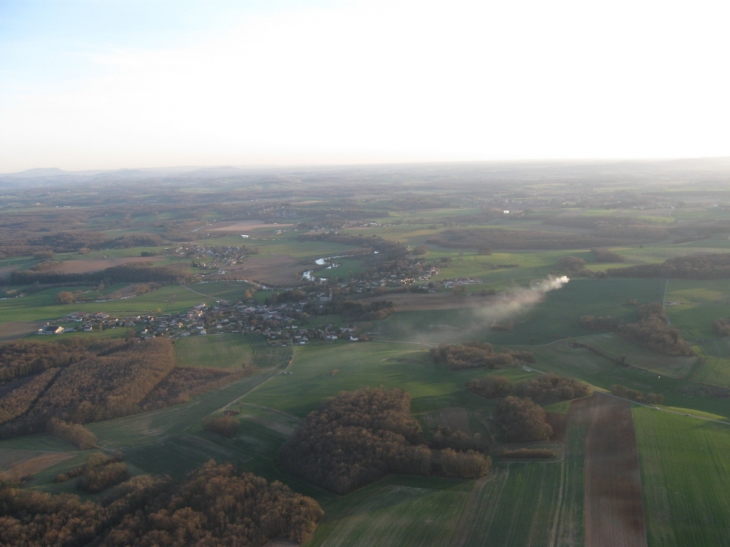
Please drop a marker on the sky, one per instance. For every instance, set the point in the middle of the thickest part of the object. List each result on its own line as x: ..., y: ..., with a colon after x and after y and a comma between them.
x: 107, y: 84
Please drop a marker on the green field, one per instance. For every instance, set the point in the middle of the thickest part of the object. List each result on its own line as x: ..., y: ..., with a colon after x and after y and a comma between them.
x: 372, y: 364
x: 685, y: 472
x: 519, y: 504
x: 348, y: 267
x: 229, y: 351
x: 555, y: 318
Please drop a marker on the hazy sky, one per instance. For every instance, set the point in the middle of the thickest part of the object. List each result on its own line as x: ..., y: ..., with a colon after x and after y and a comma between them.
x: 145, y: 83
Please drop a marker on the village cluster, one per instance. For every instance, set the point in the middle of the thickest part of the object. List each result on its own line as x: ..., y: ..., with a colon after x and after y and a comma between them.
x: 278, y: 323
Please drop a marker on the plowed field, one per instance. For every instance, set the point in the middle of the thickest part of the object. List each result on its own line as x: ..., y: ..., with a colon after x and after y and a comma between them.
x: 614, y: 510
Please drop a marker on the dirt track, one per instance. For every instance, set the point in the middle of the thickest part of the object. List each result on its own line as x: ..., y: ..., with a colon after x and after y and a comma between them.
x: 614, y: 509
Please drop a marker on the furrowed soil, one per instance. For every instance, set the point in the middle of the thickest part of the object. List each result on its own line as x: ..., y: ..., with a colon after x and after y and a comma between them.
x: 19, y: 329
x: 614, y: 509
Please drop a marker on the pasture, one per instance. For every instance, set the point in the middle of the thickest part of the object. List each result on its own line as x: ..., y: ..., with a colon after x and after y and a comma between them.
x: 685, y: 472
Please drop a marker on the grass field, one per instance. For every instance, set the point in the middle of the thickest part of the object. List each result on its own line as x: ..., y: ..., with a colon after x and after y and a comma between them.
x: 395, y: 511
x: 715, y: 367
x: 229, y: 351
x: 371, y: 364
x: 515, y: 506
x: 348, y: 267
x: 685, y: 472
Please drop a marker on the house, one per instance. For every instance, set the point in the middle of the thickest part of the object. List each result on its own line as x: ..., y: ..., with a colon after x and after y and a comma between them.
x: 51, y: 329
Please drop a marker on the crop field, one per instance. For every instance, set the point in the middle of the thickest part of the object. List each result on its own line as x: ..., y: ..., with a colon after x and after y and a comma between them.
x: 397, y: 511
x: 685, y: 472
x: 515, y: 506
x: 228, y: 351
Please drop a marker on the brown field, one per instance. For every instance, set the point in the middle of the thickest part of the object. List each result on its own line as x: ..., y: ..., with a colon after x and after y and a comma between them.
x: 246, y: 225
x: 431, y: 301
x: 271, y: 270
x: 10, y: 331
x: 614, y: 509
x: 32, y: 465
x: 94, y: 265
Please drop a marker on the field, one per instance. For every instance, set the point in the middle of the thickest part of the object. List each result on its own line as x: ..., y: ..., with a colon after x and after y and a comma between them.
x: 42, y: 305
x: 518, y: 504
x: 685, y: 472
x: 94, y: 265
x: 374, y: 364
x: 536, y: 321
x: 614, y: 512
x: 226, y: 351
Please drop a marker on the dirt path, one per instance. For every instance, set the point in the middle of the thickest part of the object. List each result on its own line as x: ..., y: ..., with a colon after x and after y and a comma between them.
x: 614, y: 509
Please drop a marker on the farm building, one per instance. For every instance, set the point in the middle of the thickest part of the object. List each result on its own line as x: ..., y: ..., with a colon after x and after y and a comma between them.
x: 51, y: 329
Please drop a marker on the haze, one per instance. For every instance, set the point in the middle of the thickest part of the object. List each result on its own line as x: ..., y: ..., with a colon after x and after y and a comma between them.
x: 100, y: 85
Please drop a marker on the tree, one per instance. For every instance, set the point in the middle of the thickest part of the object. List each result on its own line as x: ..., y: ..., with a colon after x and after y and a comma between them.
x: 65, y: 297
x: 522, y: 420
x: 570, y: 263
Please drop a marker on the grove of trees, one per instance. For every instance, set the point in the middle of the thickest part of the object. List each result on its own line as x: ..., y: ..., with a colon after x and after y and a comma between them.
x: 544, y: 389
x: 215, y: 506
x: 476, y: 355
x: 360, y: 436
x: 521, y: 420
x: 653, y: 331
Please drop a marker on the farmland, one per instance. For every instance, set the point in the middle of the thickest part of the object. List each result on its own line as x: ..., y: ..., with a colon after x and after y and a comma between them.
x: 684, y: 469
x: 413, y: 274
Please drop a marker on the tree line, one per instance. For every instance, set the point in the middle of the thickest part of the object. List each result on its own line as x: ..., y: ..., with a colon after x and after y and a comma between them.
x: 215, y: 506
x: 477, y: 355
x: 653, y: 331
x: 695, y: 266
x: 360, y: 436
x: 126, y: 273
x: 544, y: 389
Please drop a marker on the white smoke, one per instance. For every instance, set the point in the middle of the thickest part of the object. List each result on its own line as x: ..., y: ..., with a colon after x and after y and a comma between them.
x: 550, y: 284
x: 515, y: 303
